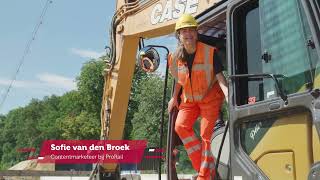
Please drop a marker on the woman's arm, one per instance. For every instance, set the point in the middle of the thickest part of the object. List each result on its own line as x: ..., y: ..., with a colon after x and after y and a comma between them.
x: 223, y: 84
x: 174, y: 100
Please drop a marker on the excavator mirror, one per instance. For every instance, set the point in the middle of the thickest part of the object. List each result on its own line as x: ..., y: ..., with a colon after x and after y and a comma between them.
x: 148, y: 59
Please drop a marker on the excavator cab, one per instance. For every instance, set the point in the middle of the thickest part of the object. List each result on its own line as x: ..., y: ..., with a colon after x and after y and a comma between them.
x: 274, y: 131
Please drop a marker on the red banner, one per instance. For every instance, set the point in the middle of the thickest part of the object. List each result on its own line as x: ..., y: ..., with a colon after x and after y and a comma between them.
x: 92, y: 151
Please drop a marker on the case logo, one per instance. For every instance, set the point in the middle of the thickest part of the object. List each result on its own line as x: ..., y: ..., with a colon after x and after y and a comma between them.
x: 172, y: 10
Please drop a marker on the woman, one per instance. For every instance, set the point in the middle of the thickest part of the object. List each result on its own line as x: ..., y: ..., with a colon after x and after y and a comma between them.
x: 203, y: 86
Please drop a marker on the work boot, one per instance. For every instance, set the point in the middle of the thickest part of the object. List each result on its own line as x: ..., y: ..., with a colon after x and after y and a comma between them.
x: 217, y: 176
x: 219, y: 124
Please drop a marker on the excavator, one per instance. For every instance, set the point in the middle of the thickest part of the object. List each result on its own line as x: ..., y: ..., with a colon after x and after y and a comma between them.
x: 271, y: 53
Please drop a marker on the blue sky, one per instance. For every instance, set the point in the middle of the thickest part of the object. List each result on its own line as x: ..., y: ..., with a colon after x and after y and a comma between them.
x: 72, y: 32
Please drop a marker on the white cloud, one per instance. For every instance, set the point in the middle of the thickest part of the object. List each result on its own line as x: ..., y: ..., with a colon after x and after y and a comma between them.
x: 86, y: 53
x: 47, y: 83
x: 17, y: 83
x: 54, y: 80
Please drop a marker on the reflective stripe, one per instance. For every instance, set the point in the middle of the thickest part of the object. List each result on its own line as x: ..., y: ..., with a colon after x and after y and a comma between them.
x: 200, y: 67
x: 188, y: 139
x: 207, y: 153
x: 206, y: 67
x: 205, y: 164
x: 194, y: 148
x: 195, y: 97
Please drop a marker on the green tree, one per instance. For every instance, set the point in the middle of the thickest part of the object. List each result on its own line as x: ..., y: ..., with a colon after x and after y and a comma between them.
x: 81, y: 119
x: 147, y: 118
x: 71, y: 103
x: 138, y: 78
x: 84, y: 126
x: 90, y: 85
x: 2, y: 123
x: 20, y: 131
x: 48, y: 124
x: 75, y: 115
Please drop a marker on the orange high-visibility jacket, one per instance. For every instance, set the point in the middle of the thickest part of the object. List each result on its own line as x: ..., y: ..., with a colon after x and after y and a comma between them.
x: 202, y: 73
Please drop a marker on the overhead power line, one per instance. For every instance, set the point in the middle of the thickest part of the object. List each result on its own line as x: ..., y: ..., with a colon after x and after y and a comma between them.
x: 26, y: 51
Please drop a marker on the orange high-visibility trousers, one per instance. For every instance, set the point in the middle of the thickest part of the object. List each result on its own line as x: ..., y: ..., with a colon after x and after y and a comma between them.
x: 199, y: 153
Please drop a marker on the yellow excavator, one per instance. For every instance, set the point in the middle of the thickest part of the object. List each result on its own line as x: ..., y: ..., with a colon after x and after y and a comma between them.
x: 271, y: 52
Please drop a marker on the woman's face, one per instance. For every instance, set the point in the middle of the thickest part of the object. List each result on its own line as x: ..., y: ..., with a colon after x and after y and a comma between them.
x: 188, y: 36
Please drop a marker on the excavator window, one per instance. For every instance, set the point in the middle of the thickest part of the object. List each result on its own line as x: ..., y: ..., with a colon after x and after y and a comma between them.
x: 248, y: 53
x: 263, y: 44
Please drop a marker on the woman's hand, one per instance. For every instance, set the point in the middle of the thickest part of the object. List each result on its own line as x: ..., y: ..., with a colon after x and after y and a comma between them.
x: 172, y: 103
x: 223, y: 84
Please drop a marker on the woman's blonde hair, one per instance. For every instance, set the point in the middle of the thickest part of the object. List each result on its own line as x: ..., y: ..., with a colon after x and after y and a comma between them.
x: 179, y: 52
